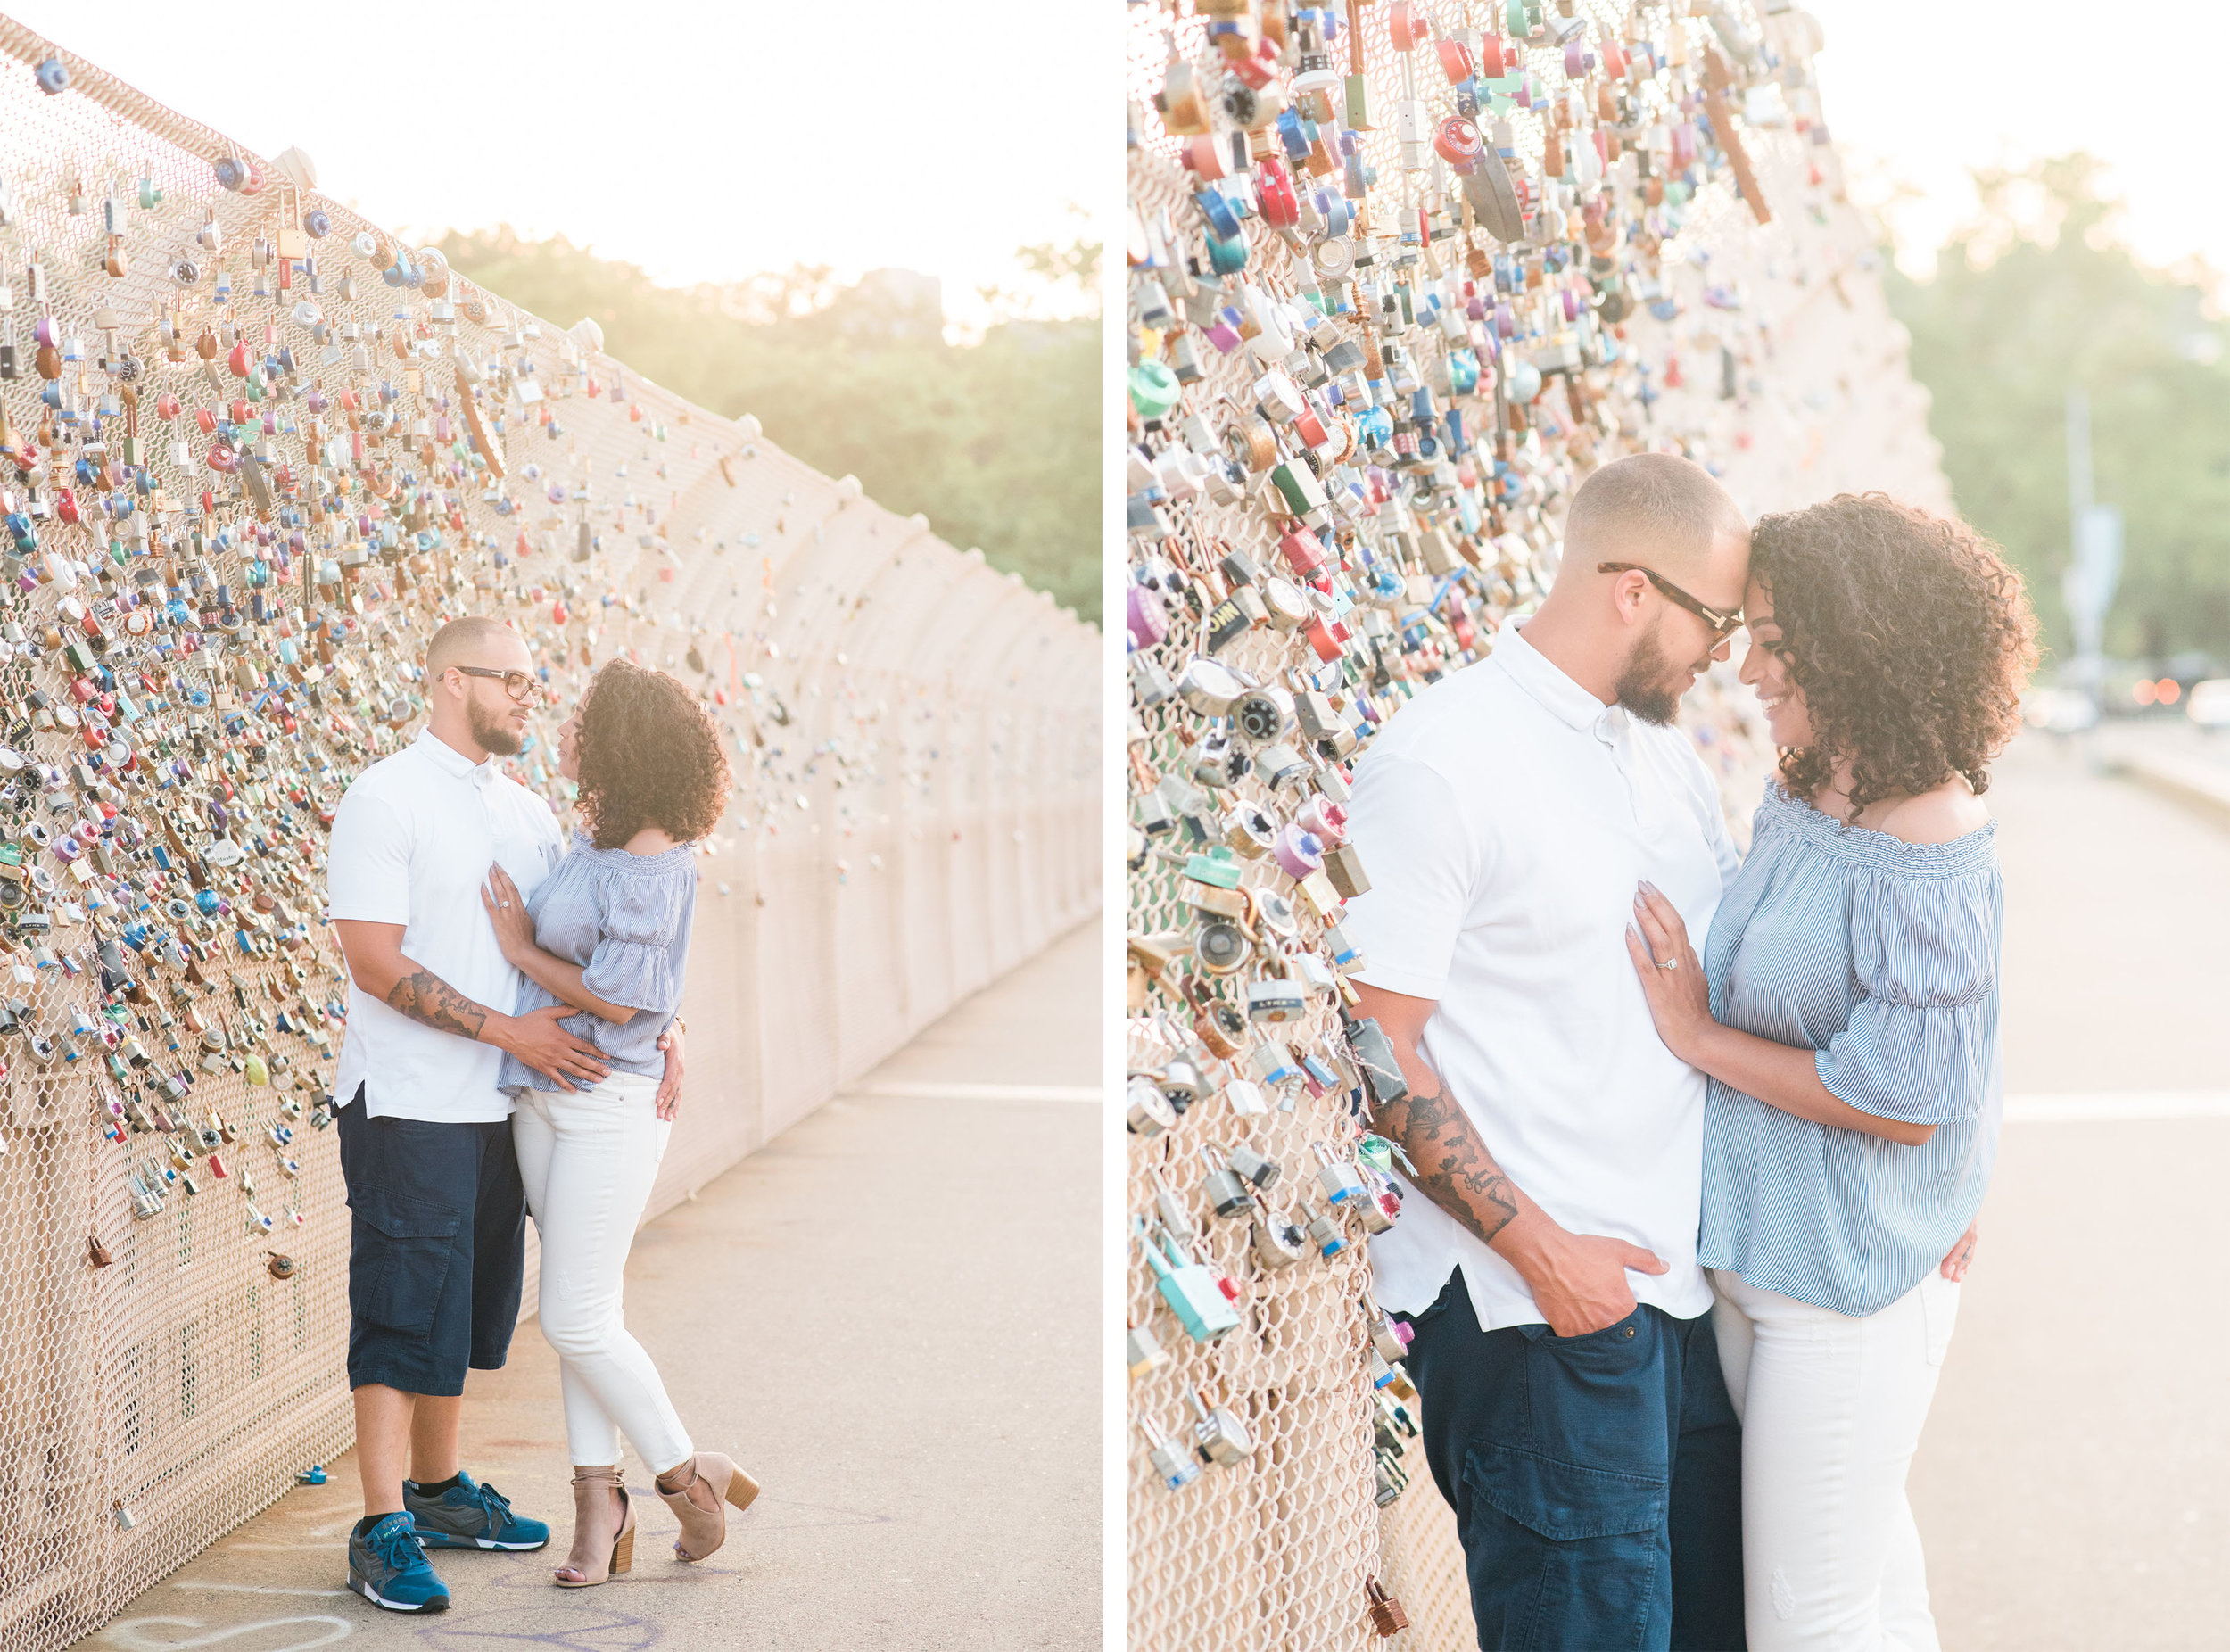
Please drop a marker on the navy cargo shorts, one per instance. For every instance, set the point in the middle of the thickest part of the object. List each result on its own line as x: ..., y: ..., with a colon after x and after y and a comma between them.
x: 437, y: 1247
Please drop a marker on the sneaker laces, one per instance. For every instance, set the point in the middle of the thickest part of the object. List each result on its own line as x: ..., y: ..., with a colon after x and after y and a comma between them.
x: 494, y: 1506
x: 395, y: 1542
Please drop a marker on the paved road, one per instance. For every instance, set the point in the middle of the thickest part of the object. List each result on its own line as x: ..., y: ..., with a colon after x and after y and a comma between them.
x: 2073, y: 1487
x: 889, y: 1314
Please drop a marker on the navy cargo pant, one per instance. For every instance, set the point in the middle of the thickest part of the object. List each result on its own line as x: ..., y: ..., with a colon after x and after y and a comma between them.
x: 1597, y: 1480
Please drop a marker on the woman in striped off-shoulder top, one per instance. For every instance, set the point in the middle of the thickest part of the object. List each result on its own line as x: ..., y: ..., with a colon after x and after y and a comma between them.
x: 1846, y: 1010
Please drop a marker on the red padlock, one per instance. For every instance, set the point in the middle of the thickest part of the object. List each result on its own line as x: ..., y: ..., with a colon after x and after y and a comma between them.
x: 1274, y: 187
x: 1204, y: 156
x: 1457, y: 141
x: 1328, y: 637
x: 1304, y: 552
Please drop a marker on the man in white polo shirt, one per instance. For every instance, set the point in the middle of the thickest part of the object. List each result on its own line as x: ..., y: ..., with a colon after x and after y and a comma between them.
x: 437, y: 1241
x: 1574, y: 1412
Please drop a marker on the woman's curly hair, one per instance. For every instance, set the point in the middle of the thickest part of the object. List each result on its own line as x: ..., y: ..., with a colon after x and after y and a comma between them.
x: 1910, y: 636
x: 650, y: 755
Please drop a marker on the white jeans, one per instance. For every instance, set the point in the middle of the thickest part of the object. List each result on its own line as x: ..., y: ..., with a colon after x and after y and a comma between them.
x: 588, y: 1159
x: 1831, y: 1408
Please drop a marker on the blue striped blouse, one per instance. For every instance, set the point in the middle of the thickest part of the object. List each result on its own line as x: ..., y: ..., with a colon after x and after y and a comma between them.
x: 1883, y: 956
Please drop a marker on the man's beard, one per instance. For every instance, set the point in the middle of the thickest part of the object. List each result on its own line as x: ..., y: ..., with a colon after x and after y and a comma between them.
x: 1644, y: 686
x: 495, y: 736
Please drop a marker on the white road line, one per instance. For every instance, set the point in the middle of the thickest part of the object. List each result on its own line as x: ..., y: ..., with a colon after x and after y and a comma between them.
x: 251, y: 1588
x: 2109, y: 1106
x: 979, y: 1092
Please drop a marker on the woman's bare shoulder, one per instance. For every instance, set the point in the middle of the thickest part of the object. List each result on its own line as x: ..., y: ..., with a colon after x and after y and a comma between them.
x: 1949, y: 811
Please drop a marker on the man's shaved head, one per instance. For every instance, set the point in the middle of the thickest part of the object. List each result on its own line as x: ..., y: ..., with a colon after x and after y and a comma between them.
x: 1656, y: 508
x: 467, y: 641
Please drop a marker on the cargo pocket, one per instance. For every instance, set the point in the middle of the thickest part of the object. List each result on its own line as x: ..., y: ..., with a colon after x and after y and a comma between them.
x: 1563, y: 1501
x: 1562, y: 1556
x: 400, y: 1259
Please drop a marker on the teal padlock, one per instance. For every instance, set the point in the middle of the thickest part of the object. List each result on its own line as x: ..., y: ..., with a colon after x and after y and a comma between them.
x: 1154, y: 389
x: 1191, y: 1289
x: 1217, y: 866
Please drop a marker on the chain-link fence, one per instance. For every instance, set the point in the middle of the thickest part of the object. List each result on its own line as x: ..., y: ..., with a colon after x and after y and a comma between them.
x: 1400, y: 275
x: 252, y: 451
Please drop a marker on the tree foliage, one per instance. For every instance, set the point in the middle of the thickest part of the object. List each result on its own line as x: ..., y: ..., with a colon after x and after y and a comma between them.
x: 997, y: 442
x: 2040, y: 295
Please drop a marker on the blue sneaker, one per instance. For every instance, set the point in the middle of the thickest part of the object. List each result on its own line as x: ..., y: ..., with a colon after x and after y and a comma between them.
x: 388, y: 1568
x: 470, y: 1515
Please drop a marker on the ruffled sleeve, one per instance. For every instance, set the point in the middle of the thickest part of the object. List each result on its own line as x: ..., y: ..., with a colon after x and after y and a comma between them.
x: 1925, y: 953
x: 641, y: 935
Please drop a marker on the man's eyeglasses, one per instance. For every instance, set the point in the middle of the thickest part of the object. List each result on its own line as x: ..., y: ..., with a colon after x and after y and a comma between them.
x: 520, y: 685
x: 1722, y: 624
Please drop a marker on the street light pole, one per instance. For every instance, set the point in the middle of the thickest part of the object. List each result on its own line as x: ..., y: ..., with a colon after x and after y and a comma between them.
x: 2094, y: 569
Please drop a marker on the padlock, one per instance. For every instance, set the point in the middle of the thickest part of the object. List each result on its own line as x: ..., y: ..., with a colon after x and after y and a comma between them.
x: 1221, y: 1028
x: 1210, y: 687
x: 1273, y: 1063
x: 1324, y: 1233
x: 1389, y: 1480
x: 1180, y: 1081
x: 1244, y: 1097
x: 1219, y: 1435
x: 1277, y: 1240
x: 1255, y: 1167
x: 1376, y: 1217
x: 1144, y: 1350
x: 1175, y: 1466
x: 1167, y: 1203
x: 1375, y: 1060
x: 1222, y: 1187
x: 1194, y: 1292
x: 1341, y: 1184
x: 1344, y: 866
x: 1386, y: 1616
x: 1275, y: 1000
x: 1150, y: 1112
x: 1389, y: 1335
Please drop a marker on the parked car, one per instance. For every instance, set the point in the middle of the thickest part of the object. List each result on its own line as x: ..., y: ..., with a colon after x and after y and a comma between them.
x: 2209, y: 703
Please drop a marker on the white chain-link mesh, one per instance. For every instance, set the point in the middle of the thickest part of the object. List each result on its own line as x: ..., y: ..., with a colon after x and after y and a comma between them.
x: 1769, y: 357
x: 915, y: 739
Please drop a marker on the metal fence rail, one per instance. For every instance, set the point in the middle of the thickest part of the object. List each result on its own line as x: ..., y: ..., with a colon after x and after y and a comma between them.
x: 1304, y: 261
x: 256, y: 450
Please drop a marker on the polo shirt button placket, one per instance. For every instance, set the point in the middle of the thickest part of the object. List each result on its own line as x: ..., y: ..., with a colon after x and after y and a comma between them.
x: 1611, y: 728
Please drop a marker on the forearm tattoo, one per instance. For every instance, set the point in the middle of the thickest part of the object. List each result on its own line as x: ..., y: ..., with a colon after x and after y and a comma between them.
x: 1454, y: 1168
x: 425, y: 996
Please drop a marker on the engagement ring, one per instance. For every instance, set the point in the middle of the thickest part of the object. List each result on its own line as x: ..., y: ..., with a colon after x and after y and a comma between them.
x: 1668, y: 963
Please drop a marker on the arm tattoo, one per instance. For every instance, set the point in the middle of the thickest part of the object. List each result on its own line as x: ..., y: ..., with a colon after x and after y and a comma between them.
x: 425, y: 996
x: 1454, y: 1168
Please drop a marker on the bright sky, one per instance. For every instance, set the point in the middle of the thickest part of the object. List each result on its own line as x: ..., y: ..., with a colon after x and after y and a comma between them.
x: 701, y: 141
x: 1922, y: 93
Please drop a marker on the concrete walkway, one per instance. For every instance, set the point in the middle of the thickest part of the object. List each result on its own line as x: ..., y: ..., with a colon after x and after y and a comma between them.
x: 890, y: 1315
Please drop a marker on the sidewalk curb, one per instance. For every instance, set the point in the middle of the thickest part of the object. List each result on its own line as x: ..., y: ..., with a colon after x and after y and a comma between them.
x: 2199, y: 787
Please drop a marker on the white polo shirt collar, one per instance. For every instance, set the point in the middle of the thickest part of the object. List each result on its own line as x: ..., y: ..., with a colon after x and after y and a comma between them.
x: 455, y: 763
x: 1547, y: 682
